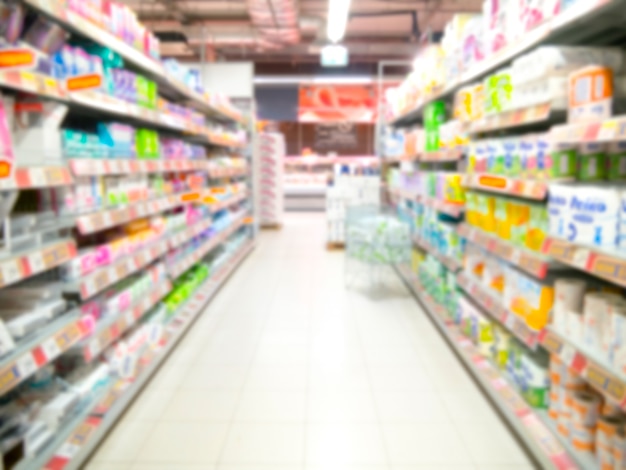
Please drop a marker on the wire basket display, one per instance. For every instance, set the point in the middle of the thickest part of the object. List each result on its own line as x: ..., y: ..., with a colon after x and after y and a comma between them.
x: 375, y: 239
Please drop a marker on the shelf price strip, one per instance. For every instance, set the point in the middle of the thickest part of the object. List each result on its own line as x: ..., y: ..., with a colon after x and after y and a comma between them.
x: 450, y: 263
x: 546, y: 441
x: 22, y: 267
x: 19, y: 369
x: 446, y: 155
x: 93, y: 346
x: 598, y: 376
x: 93, y: 167
x: 603, y: 265
x: 92, y: 223
x: 518, y: 117
x: 535, y: 190
x: 121, y: 269
x: 494, y: 308
x: 80, y: 436
x: 180, y: 267
x: 533, y: 263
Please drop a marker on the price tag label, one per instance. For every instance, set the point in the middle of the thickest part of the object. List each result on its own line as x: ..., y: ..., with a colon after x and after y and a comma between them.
x: 567, y: 354
x: 581, y: 258
x: 26, y: 365
x: 607, y: 131
x: 51, y: 349
x: 67, y: 450
x: 11, y: 272
x: 37, y: 177
x: 85, y: 224
x: 36, y: 262
x: 88, y: 287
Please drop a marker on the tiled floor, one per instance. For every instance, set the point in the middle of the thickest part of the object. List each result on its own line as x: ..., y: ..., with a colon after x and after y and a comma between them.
x: 287, y: 369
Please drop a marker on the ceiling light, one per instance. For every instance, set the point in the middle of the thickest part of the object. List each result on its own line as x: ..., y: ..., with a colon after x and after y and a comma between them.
x: 337, y: 19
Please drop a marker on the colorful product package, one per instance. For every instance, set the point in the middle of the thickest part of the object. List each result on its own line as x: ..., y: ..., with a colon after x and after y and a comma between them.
x: 592, y: 162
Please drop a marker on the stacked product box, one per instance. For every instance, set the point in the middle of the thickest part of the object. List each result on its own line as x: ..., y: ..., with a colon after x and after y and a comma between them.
x: 271, y: 151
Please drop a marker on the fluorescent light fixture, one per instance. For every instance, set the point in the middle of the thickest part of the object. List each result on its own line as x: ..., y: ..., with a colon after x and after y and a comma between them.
x: 337, y: 19
x: 314, y: 80
x: 334, y: 55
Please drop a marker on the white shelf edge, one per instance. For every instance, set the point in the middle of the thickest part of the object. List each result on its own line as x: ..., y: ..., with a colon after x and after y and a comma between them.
x: 512, y: 419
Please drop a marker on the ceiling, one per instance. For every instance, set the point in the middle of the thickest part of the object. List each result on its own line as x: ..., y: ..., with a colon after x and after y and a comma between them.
x: 193, y: 30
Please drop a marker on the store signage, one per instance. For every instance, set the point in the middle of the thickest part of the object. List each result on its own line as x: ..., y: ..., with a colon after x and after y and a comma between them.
x: 337, y: 103
x: 16, y: 58
x: 84, y: 82
x: 335, y: 137
x: 334, y: 56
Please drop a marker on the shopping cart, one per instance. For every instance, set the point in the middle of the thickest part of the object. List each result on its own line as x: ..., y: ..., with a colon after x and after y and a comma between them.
x: 375, y: 241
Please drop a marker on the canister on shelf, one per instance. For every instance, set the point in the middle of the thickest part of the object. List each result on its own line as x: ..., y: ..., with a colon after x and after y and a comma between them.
x: 556, y: 392
x: 582, y: 438
x: 586, y: 408
x: 608, y: 428
x: 619, y: 452
x: 557, y: 370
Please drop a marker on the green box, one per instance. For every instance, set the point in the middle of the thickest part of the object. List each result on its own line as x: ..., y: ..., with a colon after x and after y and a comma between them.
x: 562, y: 164
x: 592, y: 167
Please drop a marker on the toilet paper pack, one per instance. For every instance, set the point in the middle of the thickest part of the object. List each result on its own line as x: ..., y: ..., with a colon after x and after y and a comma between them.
x: 585, y: 214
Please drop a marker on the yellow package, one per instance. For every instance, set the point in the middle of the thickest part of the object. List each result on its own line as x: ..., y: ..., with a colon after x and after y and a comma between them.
x: 487, y: 208
x: 471, y: 214
x: 137, y: 226
x: 532, y: 300
x: 416, y: 260
x: 519, y: 216
x: 537, y: 227
x: 454, y: 193
x: 503, y: 224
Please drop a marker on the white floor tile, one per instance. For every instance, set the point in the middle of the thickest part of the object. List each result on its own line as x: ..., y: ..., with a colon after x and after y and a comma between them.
x: 290, y: 370
x: 340, y: 444
x: 339, y: 376
x: 201, y: 405
x: 215, y: 377
x: 425, y: 444
x: 171, y: 466
x: 277, y: 377
x: 492, y: 443
x: 275, y: 406
x: 149, y: 405
x: 124, y: 443
x: 184, y: 442
x: 264, y: 444
x: 411, y: 407
x: 341, y: 406
x: 400, y: 378
x: 107, y: 466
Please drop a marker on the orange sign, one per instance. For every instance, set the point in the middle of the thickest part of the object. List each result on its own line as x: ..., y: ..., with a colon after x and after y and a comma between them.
x: 190, y: 197
x: 352, y: 103
x: 5, y: 169
x: 84, y: 82
x: 218, y: 190
x: 492, y: 182
x: 16, y: 58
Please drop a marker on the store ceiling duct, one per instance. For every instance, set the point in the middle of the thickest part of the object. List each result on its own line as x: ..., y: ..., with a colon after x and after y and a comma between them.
x: 276, y: 22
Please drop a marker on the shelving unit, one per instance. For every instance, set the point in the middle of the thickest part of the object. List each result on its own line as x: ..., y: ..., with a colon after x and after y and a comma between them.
x: 509, y: 222
x: 526, y: 422
x: 529, y: 261
x: 564, y: 28
x: 493, y: 307
x: 132, y: 269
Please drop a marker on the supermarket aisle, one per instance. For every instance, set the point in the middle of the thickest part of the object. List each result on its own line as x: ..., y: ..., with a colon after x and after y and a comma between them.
x: 289, y: 370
